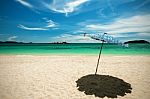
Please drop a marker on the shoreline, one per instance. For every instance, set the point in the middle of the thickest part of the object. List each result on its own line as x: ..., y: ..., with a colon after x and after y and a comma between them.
x: 76, y: 54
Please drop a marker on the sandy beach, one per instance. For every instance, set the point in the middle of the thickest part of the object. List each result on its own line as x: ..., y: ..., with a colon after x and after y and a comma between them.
x: 54, y: 76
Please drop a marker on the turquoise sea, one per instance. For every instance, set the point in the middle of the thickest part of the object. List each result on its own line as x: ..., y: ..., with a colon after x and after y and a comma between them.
x: 74, y: 48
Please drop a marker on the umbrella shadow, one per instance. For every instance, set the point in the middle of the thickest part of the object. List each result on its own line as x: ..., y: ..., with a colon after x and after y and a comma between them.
x: 103, y: 86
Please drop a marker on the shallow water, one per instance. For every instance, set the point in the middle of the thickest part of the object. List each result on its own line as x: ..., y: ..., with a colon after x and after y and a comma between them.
x: 74, y: 48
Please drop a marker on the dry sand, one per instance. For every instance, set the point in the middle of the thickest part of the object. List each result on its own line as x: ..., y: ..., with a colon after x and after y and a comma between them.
x: 54, y: 77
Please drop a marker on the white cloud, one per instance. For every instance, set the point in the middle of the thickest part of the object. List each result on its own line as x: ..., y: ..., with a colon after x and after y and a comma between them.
x: 144, y: 34
x: 30, y: 28
x: 25, y: 3
x: 12, y: 38
x: 73, y: 39
x: 73, y: 4
x: 133, y: 24
x: 142, y: 4
x: 61, y: 6
x: 50, y: 23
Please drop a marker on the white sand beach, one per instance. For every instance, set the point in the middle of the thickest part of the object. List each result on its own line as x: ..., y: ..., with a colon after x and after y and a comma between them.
x: 54, y: 76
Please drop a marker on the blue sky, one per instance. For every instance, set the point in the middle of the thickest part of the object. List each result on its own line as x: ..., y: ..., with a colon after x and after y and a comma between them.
x: 66, y: 20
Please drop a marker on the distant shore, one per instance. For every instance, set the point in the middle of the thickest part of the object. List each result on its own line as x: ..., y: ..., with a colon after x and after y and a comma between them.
x: 15, y: 42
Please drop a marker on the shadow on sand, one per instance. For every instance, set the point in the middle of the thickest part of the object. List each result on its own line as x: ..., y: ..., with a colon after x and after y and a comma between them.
x: 103, y: 85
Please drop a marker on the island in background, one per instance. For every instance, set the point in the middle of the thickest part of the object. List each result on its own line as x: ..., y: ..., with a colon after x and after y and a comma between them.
x: 15, y: 42
x: 136, y: 41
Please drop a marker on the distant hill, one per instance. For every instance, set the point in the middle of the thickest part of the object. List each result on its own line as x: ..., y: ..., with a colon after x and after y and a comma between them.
x: 9, y: 42
x: 14, y: 42
x: 136, y: 41
x: 59, y: 43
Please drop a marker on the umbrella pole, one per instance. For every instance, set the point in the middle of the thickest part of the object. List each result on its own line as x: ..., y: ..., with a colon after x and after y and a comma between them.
x: 99, y: 57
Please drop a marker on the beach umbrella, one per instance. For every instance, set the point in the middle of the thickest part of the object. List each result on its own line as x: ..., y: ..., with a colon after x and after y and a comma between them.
x: 103, y: 85
x: 104, y: 37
